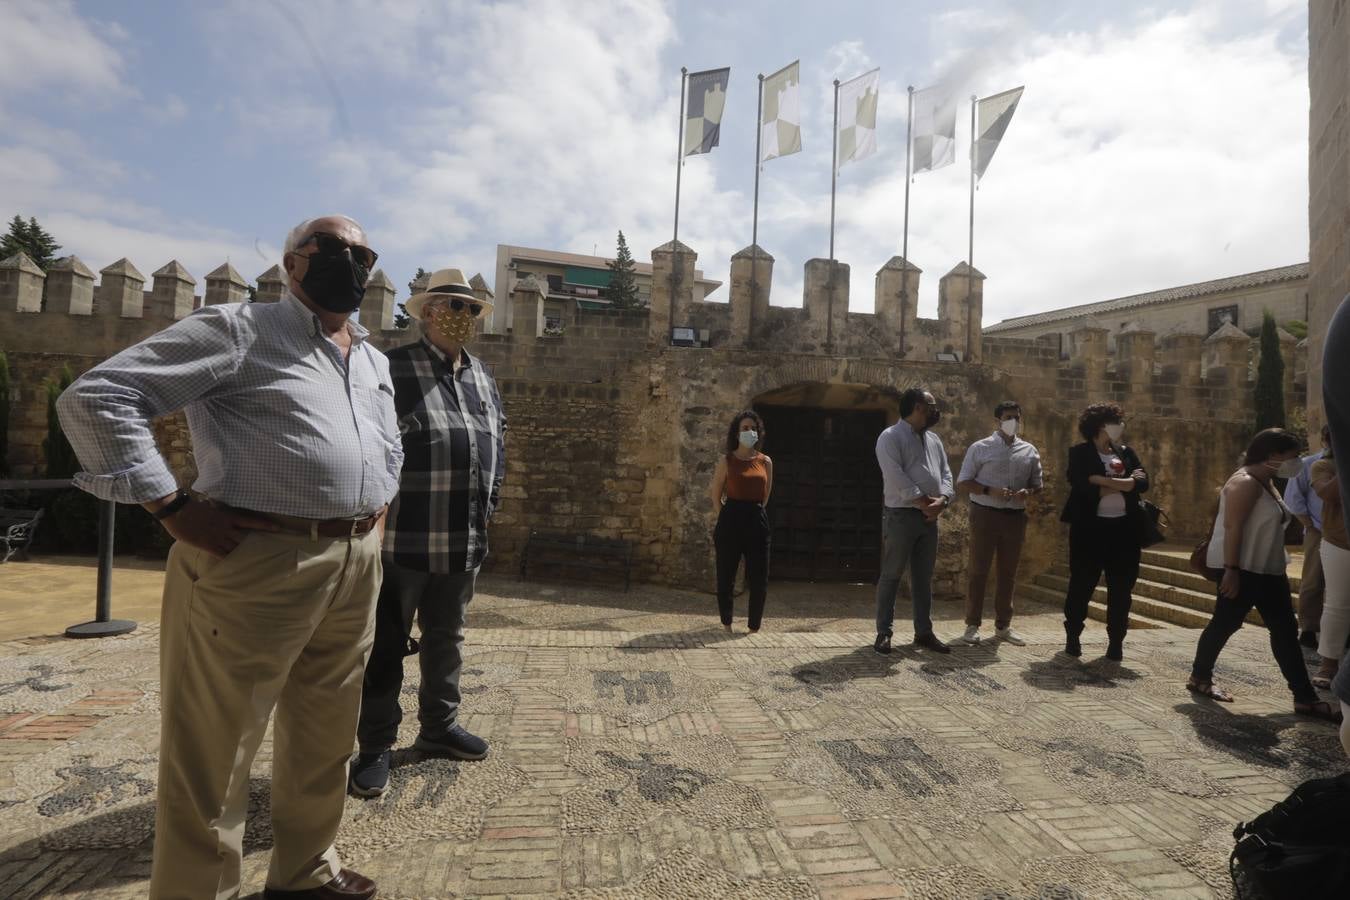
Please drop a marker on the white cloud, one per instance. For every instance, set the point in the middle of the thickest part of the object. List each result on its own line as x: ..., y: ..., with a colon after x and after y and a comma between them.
x: 1140, y: 158
x: 47, y: 44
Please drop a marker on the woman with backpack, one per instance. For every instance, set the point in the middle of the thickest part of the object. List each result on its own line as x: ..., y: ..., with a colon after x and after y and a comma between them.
x: 1247, y: 543
x: 1335, y: 624
x: 740, y: 487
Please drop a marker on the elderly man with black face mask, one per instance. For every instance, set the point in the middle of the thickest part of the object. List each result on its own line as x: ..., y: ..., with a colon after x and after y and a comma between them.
x: 450, y: 416
x: 917, y: 481
x: 269, y: 596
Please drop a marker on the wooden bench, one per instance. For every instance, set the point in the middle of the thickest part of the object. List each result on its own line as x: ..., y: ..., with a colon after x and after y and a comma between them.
x: 17, y: 527
x: 583, y: 551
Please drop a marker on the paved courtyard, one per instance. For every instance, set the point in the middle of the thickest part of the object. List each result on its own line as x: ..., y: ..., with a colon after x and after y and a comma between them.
x: 638, y: 751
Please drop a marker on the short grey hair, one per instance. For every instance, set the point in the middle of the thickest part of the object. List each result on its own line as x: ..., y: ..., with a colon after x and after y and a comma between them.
x: 302, y: 232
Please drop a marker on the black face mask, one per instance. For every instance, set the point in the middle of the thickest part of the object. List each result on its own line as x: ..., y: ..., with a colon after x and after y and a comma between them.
x: 934, y: 416
x: 337, y: 283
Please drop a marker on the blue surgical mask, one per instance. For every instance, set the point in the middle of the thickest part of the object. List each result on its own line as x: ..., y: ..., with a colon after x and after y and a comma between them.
x: 749, y: 438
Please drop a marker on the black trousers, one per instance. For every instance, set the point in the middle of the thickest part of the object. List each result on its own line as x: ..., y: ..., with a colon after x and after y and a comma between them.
x: 1100, y: 547
x: 1272, y: 598
x: 742, y: 531
x: 439, y: 602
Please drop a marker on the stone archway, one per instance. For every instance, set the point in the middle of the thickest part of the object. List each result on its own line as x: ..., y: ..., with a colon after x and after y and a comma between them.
x: 826, y: 503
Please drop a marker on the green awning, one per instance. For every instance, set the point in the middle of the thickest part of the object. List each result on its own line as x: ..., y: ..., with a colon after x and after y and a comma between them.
x: 598, y: 278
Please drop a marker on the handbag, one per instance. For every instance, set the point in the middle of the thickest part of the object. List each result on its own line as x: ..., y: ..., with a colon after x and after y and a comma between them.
x: 1151, y: 519
x: 1200, y: 562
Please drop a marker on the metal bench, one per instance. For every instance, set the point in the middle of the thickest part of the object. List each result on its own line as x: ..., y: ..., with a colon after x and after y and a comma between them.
x: 17, y: 527
x: 583, y: 551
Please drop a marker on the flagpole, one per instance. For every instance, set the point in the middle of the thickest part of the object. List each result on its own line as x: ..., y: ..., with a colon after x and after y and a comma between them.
x: 754, y: 223
x: 679, y: 152
x: 834, y: 177
x: 904, y: 241
x: 970, y: 252
x: 834, y: 173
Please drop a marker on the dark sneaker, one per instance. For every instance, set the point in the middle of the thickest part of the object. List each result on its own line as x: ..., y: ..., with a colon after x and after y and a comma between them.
x: 932, y: 642
x: 1308, y: 639
x: 368, y: 775
x: 883, y: 643
x: 1114, y: 651
x: 456, y: 742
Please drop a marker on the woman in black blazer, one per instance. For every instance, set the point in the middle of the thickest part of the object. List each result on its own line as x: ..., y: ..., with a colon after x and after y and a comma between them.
x: 1105, y: 525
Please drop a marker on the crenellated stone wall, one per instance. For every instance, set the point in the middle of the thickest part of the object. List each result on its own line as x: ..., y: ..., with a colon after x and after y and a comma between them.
x: 613, y: 431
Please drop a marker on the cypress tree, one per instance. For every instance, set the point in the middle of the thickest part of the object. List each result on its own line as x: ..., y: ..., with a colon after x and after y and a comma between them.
x: 61, y: 461
x: 1269, y: 400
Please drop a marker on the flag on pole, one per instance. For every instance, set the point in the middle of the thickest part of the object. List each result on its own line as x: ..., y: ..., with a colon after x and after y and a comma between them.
x: 703, y: 114
x: 934, y: 128
x: 858, y: 117
x: 992, y: 117
x: 781, y: 123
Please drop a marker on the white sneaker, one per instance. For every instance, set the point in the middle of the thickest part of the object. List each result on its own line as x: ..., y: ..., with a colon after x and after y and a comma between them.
x: 1012, y: 637
x: 972, y: 635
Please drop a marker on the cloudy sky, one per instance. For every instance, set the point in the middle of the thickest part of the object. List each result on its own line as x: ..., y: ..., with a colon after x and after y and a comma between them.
x: 1155, y: 144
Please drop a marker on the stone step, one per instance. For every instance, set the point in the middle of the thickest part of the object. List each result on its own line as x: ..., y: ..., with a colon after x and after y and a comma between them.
x: 1096, y: 611
x: 1145, y: 605
x: 1200, y: 599
x: 1176, y: 561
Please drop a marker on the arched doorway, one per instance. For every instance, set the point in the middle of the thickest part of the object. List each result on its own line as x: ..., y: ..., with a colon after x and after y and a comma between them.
x: 826, y: 503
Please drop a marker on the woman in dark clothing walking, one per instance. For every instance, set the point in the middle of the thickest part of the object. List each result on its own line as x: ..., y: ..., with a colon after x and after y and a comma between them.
x: 740, y: 488
x: 1105, y: 535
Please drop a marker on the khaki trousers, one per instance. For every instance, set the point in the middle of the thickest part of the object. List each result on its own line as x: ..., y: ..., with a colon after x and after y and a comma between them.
x: 993, y: 533
x: 283, y: 621
x: 1311, y: 585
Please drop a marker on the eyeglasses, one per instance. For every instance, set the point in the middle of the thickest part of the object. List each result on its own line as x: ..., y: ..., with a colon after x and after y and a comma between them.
x: 459, y: 305
x: 332, y: 245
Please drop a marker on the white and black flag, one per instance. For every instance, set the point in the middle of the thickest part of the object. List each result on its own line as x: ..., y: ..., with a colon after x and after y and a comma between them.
x: 703, y: 112
x: 994, y: 115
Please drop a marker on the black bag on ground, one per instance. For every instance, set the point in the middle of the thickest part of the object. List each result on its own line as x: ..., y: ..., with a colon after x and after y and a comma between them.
x: 1300, y: 848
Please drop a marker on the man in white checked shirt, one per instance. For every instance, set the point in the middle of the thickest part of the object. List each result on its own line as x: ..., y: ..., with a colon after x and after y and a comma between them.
x: 269, y: 597
x: 999, y: 473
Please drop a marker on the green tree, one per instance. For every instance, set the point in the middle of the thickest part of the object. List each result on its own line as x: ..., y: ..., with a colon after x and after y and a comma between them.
x: 1269, y: 378
x: 61, y: 462
x: 4, y: 415
x: 401, y: 317
x: 622, y: 290
x: 1297, y: 327
x: 30, y: 238
x: 252, y: 293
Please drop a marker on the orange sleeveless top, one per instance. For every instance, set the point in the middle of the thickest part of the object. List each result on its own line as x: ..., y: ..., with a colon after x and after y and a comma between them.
x: 747, y: 479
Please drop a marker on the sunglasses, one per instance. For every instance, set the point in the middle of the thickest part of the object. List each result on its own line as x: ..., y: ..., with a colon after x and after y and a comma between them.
x: 332, y: 245
x: 460, y: 305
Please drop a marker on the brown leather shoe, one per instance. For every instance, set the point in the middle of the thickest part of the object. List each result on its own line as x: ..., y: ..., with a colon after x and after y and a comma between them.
x: 348, y: 885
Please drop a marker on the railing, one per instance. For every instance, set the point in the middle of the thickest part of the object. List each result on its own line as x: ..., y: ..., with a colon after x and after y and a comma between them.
x: 103, y: 624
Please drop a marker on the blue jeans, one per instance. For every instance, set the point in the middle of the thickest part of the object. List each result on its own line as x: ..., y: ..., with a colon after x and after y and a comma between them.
x: 907, y: 540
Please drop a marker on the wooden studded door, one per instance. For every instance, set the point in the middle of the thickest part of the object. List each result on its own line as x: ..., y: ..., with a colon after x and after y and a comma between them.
x: 826, y: 504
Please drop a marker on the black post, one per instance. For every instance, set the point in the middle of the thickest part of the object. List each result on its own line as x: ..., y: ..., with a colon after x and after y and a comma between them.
x: 104, y: 625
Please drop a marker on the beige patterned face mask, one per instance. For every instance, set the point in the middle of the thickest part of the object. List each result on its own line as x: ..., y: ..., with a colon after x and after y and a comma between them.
x: 456, y: 327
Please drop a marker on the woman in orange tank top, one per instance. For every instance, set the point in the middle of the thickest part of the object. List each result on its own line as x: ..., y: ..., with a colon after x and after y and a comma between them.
x: 740, y: 489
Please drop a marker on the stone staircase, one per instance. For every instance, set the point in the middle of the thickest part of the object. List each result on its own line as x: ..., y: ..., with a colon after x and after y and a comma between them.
x: 1167, y: 592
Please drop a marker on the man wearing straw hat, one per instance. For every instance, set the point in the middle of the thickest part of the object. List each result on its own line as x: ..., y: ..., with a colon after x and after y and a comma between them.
x: 450, y: 417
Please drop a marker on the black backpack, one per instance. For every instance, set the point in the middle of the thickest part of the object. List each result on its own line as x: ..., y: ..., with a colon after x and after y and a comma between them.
x: 1300, y: 848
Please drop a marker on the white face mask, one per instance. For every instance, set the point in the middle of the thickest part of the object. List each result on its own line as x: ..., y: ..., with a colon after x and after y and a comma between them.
x: 1114, y: 431
x: 1009, y: 427
x: 1290, y: 468
x: 749, y: 438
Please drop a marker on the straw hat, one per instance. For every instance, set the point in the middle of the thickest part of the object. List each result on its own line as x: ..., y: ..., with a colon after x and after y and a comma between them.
x: 446, y: 284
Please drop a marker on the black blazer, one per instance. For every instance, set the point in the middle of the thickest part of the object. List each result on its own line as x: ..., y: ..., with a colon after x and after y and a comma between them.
x: 1084, y: 496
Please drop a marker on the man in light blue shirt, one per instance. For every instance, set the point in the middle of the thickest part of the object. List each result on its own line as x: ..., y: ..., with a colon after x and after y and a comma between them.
x: 918, y: 488
x: 1303, y: 502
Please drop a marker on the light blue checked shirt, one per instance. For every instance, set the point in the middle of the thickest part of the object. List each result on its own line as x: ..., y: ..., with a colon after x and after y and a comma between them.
x: 913, y: 465
x: 280, y: 422
x: 995, y: 463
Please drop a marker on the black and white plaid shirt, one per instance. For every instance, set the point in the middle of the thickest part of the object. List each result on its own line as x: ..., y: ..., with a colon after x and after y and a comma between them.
x: 454, y: 456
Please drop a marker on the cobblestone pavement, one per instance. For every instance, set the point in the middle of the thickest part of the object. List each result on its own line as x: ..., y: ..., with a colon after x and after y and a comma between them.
x: 639, y: 751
